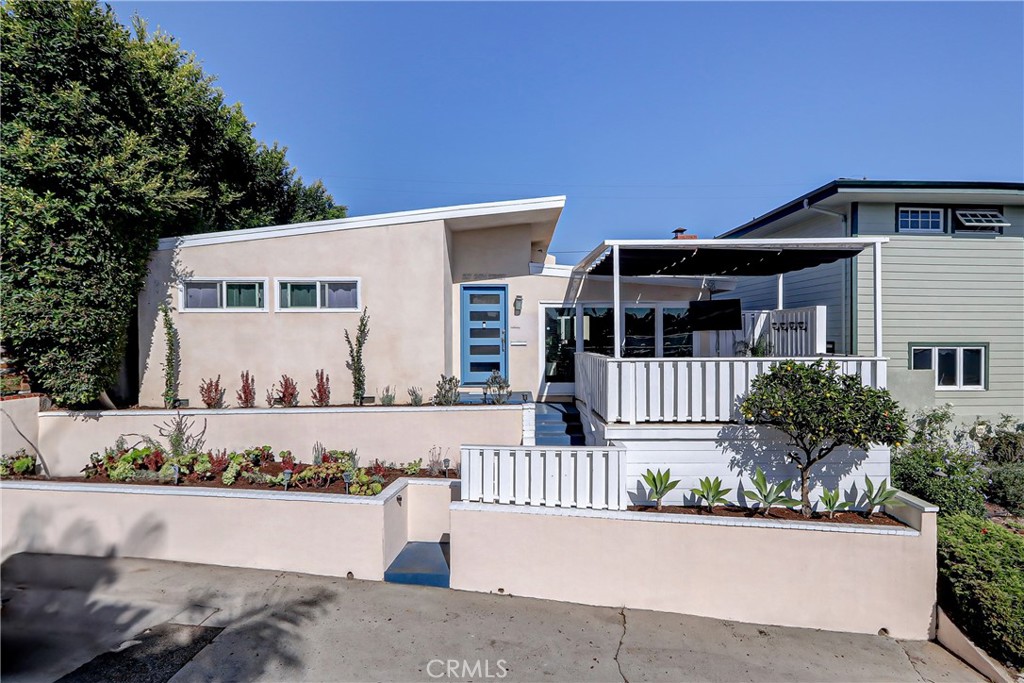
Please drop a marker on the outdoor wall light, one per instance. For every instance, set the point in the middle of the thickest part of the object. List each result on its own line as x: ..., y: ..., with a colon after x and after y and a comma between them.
x: 287, y: 478
x: 446, y: 462
x: 517, y: 304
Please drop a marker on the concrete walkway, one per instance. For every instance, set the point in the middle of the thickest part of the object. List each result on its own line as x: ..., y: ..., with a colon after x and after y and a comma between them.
x: 61, y: 612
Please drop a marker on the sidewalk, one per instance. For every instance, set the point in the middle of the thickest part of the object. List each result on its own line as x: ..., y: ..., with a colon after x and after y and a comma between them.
x: 224, y: 624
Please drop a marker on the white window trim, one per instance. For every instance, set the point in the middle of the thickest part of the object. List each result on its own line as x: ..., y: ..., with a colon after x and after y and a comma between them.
x: 319, y: 281
x: 921, y: 231
x: 959, y: 386
x: 222, y: 282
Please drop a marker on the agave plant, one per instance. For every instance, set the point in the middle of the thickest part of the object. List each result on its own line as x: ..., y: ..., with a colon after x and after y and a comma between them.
x: 768, y: 495
x: 711, y: 492
x: 877, y: 497
x: 659, y: 484
x: 830, y: 501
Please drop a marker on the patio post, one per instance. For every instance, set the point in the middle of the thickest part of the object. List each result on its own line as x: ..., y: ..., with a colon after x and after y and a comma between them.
x: 876, y: 297
x: 616, y: 303
x: 780, y: 301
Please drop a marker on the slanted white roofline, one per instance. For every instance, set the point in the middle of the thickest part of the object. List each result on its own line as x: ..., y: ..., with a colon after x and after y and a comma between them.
x: 371, y: 221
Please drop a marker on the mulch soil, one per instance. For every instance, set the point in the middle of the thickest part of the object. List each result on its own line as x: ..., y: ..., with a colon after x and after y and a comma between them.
x: 775, y: 514
x: 273, y: 469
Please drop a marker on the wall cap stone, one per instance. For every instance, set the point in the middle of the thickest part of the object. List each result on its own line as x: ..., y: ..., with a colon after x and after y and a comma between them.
x: 654, y: 518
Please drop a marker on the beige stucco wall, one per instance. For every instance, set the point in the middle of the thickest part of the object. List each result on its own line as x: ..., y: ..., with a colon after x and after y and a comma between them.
x: 389, y: 434
x: 402, y: 271
x: 19, y: 425
x: 358, y: 535
x: 291, y: 535
x: 429, y: 517
x: 831, y: 580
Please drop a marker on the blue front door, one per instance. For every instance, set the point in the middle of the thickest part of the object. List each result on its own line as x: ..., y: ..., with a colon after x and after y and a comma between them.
x: 483, y: 334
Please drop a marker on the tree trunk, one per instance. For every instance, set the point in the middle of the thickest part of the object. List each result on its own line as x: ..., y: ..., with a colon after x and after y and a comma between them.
x: 805, y: 491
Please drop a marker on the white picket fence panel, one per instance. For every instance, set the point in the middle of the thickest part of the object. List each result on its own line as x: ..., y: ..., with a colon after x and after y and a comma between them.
x: 686, y: 389
x: 792, y: 332
x: 580, y: 477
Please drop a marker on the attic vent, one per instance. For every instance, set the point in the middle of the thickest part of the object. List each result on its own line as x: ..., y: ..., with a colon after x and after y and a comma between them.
x: 981, y: 219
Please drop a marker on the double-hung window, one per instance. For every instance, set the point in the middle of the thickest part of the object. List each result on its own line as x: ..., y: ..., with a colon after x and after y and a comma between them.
x: 922, y: 220
x: 959, y: 367
x: 318, y: 294
x: 224, y: 294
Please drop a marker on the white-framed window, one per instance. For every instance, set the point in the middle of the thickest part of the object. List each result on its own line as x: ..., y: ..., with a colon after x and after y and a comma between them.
x: 980, y: 220
x: 223, y: 294
x: 318, y: 294
x: 959, y: 367
x: 917, y: 219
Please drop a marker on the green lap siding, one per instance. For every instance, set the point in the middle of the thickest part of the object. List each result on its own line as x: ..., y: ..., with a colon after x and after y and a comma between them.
x: 950, y: 289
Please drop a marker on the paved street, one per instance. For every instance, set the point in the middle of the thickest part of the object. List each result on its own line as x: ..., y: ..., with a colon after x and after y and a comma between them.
x: 121, y: 619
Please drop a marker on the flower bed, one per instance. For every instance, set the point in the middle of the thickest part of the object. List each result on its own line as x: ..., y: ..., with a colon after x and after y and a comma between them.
x: 776, y: 514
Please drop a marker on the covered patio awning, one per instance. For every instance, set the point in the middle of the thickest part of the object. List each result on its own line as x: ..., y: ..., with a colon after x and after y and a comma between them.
x: 726, y: 258
x: 718, y: 258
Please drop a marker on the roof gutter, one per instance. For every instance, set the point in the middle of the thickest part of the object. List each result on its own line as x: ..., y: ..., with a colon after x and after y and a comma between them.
x: 829, y: 212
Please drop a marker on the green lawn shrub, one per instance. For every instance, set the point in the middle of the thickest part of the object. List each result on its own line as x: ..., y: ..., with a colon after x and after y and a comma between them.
x: 981, y: 583
x: 940, y: 473
x: 1006, y: 487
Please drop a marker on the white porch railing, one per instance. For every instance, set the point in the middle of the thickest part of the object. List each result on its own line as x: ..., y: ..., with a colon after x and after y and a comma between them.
x: 684, y: 389
x: 791, y: 332
x: 545, y: 475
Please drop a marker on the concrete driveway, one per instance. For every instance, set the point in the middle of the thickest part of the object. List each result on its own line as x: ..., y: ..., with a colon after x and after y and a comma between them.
x: 120, y: 619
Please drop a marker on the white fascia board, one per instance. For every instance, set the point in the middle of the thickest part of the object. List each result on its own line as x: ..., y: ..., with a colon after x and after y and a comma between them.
x: 371, y: 221
x: 787, y: 243
x: 689, y: 281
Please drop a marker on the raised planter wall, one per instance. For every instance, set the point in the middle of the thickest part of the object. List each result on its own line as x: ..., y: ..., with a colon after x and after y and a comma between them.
x: 19, y: 427
x: 324, y: 534
x: 839, y: 578
x: 398, y: 434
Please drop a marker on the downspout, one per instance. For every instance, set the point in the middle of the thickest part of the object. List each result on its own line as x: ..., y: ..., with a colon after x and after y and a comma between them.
x: 846, y: 232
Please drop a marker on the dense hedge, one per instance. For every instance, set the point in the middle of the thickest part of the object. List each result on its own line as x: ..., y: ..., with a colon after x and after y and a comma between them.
x: 942, y: 474
x: 1006, y: 487
x: 981, y: 584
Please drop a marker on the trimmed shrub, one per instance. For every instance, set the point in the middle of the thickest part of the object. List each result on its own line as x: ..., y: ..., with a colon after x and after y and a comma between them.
x: 981, y: 584
x: 1006, y: 487
x: 942, y: 474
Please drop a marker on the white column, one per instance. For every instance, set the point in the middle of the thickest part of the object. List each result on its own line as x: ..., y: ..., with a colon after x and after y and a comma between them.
x: 780, y: 300
x: 616, y: 303
x: 876, y: 298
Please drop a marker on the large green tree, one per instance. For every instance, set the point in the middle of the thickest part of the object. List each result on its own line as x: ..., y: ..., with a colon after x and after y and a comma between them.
x: 110, y: 139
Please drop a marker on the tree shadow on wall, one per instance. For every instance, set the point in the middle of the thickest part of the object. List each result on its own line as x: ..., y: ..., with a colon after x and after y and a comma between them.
x: 61, y: 612
x: 752, y: 447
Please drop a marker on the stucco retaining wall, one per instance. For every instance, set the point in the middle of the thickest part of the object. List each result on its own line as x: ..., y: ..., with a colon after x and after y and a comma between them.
x: 396, y: 434
x: 854, y: 579
x: 19, y: 426
x: 323, y: 534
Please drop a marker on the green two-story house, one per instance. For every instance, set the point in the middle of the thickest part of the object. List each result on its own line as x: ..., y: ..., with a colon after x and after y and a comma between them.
x: 952, y: 283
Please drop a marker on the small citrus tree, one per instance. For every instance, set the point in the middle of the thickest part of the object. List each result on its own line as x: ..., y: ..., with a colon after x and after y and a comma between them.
x: 820, y: 409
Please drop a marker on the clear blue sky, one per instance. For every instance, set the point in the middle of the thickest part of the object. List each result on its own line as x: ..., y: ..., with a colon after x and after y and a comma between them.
x: 648, y: 117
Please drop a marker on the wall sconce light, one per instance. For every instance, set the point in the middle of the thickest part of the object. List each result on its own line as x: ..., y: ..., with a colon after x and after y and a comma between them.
x: 517, y: 304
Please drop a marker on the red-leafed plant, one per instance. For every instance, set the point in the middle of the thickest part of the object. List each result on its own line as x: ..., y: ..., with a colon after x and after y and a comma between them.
x: 154, y: 461
x: 246, y: 396
x: 211, y: 393
x: 287, y: 460
x: 287, y: 392
x: 322, y: 392
x: 219, y: 462
x: 378, y: 468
